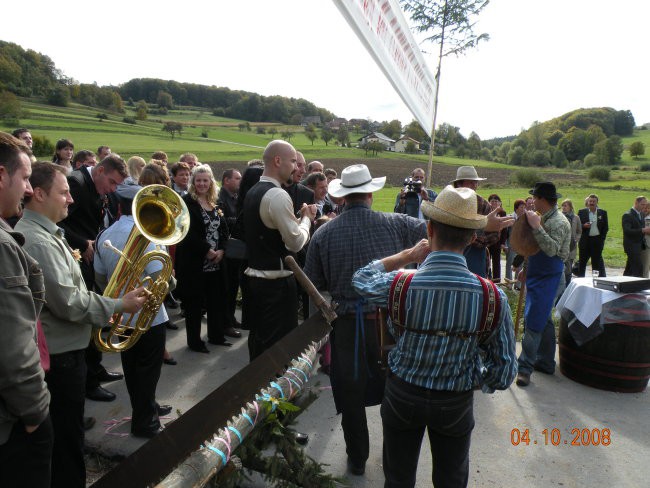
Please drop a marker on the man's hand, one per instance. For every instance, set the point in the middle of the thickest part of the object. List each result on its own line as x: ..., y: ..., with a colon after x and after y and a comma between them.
x: 534, y: 220
x: 31, y: 428
x: 424, y: 194
x: 308, y: 211
x: 89, y: 253
x: 219, y: 256
x: 419, y: 252
x: 521, y: 276
x: 646, y: 230
x: 133, y: 301
x: 496, y: 223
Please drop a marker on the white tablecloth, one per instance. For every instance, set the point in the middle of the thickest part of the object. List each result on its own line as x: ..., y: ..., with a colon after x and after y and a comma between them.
x: 584, y: 300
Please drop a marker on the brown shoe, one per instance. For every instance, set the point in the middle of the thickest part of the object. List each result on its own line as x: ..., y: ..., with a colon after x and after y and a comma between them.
x: 232, y: 332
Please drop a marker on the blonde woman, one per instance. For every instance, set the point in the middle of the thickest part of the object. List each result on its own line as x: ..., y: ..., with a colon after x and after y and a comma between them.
x: 199, y: 262
x: 134, y: 166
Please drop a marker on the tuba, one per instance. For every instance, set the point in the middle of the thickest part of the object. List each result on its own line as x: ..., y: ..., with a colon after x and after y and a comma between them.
x: 160, y: 217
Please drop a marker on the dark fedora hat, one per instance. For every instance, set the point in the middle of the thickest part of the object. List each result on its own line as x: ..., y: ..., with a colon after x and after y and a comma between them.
x: 546, y: 190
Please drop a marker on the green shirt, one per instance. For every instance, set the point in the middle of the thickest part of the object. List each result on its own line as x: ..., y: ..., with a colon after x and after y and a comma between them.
x: 554, y: 236
x: 70, y: 310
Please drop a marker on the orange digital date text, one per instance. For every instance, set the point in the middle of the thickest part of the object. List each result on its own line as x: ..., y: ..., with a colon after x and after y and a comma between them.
x: 554, y: 437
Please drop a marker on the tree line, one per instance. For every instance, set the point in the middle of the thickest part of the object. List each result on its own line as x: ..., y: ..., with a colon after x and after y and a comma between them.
x: 27, y: 73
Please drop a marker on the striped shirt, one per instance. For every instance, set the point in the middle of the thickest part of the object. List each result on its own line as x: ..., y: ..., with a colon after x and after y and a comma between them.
x: 352, y: 240
x: 444, y: 296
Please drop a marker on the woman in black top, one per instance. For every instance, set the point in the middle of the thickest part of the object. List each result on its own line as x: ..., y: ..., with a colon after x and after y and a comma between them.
x: 199, y: 262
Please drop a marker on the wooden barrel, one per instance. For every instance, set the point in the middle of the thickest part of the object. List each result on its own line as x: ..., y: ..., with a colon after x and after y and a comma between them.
x: 616, y: 360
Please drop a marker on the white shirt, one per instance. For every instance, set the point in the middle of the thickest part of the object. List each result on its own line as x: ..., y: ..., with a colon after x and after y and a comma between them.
x: 276, y: 212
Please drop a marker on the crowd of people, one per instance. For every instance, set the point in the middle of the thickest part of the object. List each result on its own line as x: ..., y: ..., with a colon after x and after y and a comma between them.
x: 63, y: 220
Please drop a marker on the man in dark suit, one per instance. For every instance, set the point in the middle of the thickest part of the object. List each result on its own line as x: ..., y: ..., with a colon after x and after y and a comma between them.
x: 300, y: 194
x: 89, y: 187
x: 593, y: 236
x: 633, y: 237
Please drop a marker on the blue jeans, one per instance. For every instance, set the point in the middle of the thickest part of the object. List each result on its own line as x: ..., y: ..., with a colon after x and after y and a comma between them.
x: 538, y: 347
x: 448, y: 417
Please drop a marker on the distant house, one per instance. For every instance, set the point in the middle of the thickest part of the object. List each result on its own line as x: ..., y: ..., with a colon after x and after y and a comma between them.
x: 400, y: 144
x: 337, y: 123
x: 377, y: 137
x: 311, y: 119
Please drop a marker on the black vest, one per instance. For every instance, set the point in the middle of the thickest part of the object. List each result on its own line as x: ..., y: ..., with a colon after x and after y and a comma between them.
x: 265, y: 246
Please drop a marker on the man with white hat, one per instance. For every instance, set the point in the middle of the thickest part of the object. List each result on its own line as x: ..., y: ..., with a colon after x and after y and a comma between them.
x: 336, y: 251
x: 451, y: 340
x: 475, y: 253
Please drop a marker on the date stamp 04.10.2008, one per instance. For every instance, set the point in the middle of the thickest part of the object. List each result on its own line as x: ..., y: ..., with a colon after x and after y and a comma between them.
x: 554, y: 437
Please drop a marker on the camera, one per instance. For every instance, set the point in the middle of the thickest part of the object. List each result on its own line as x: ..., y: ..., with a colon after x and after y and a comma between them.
x: 412, y: 186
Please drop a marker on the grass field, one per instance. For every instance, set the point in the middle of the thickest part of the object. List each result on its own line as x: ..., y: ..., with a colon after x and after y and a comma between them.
x: 227, y: 145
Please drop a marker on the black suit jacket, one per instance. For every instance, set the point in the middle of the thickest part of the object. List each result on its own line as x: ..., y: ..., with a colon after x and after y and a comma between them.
x: 633, y: 241
x: 601, y: 222
x: 85, y: 215
x: 300, y: 194
x: 191, y: 251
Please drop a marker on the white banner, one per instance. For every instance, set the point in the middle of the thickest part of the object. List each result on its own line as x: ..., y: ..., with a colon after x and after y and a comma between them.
x: 382, y: 28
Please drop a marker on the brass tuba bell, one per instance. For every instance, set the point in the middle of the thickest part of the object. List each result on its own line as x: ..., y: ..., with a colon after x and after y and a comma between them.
x: 161, y: 217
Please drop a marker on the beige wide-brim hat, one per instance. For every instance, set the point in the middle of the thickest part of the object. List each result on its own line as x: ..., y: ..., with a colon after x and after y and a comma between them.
x: 455, y: 207
x: 467, y: 173
x: 355, y: 179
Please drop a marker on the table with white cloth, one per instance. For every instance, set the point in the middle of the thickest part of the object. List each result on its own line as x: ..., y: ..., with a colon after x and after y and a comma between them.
x: 604, y: 337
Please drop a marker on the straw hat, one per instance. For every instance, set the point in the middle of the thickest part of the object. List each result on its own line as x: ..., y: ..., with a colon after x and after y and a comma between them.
x: 355, y: 179
x: 455, y: 207
x: 467, y: 173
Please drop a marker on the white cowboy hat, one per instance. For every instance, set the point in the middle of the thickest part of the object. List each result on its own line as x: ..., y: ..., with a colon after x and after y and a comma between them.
x: 355, y: 179
x: 467, y: 173
x: 455, y: 207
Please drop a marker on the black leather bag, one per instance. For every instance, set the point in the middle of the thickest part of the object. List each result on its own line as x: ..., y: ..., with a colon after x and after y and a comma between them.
x: 236, y: 249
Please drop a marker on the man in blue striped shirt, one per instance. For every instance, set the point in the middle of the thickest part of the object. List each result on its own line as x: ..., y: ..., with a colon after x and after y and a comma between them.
x: 438, y: 360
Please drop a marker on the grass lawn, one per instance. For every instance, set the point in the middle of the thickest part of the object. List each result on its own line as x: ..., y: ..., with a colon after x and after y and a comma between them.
x: 227, y: 144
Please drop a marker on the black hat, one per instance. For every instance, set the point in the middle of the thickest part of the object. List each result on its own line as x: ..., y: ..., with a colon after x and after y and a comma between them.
x: 545, y: 190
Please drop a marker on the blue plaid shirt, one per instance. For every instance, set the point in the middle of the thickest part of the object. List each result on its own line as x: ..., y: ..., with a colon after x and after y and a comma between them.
x: 352, y: 240
x: 444, y: 295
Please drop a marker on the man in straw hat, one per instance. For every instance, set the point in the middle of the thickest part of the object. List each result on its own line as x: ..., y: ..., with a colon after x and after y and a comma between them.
x: 451, y: 340
x: 336, y: 251
x: 544, y: 277
x: 476, y: 252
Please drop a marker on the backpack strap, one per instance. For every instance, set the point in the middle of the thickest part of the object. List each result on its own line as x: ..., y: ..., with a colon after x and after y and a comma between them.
x: 397, y: 308
x: 397, y: 297
x: 491, y: 308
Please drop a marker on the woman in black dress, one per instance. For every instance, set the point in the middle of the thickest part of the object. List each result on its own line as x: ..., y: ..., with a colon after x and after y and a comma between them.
x: 199, y: 262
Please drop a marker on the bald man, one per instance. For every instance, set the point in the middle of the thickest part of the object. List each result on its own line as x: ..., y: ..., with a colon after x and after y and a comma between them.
x: 272, y: 232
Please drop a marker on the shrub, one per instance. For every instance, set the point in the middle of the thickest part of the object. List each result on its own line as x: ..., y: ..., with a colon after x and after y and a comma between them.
x: 101, y: 117
x: 260, y: 130
x: 590, y: 160
x: 42, y: 146
x: 204, y: 133
x: 128, y: 120
x: 526, y: 177
x: 644, y: 167
x: 599, y: 173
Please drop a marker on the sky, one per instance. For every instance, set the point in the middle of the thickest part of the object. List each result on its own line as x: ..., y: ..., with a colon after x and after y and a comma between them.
x: 544, y: 57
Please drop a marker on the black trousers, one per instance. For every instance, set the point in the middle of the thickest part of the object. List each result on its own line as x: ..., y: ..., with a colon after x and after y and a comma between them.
x: 448, y: 417
x: 94, y: 365
x: 26, y: 459
x: 591, y: 248
x: 209, y: 292
x: 232, y: 285
x: 357, y: 381
x: 66, y: 381
x: 634, y: 264
x: 271, y: 309
x: 142, y: 364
